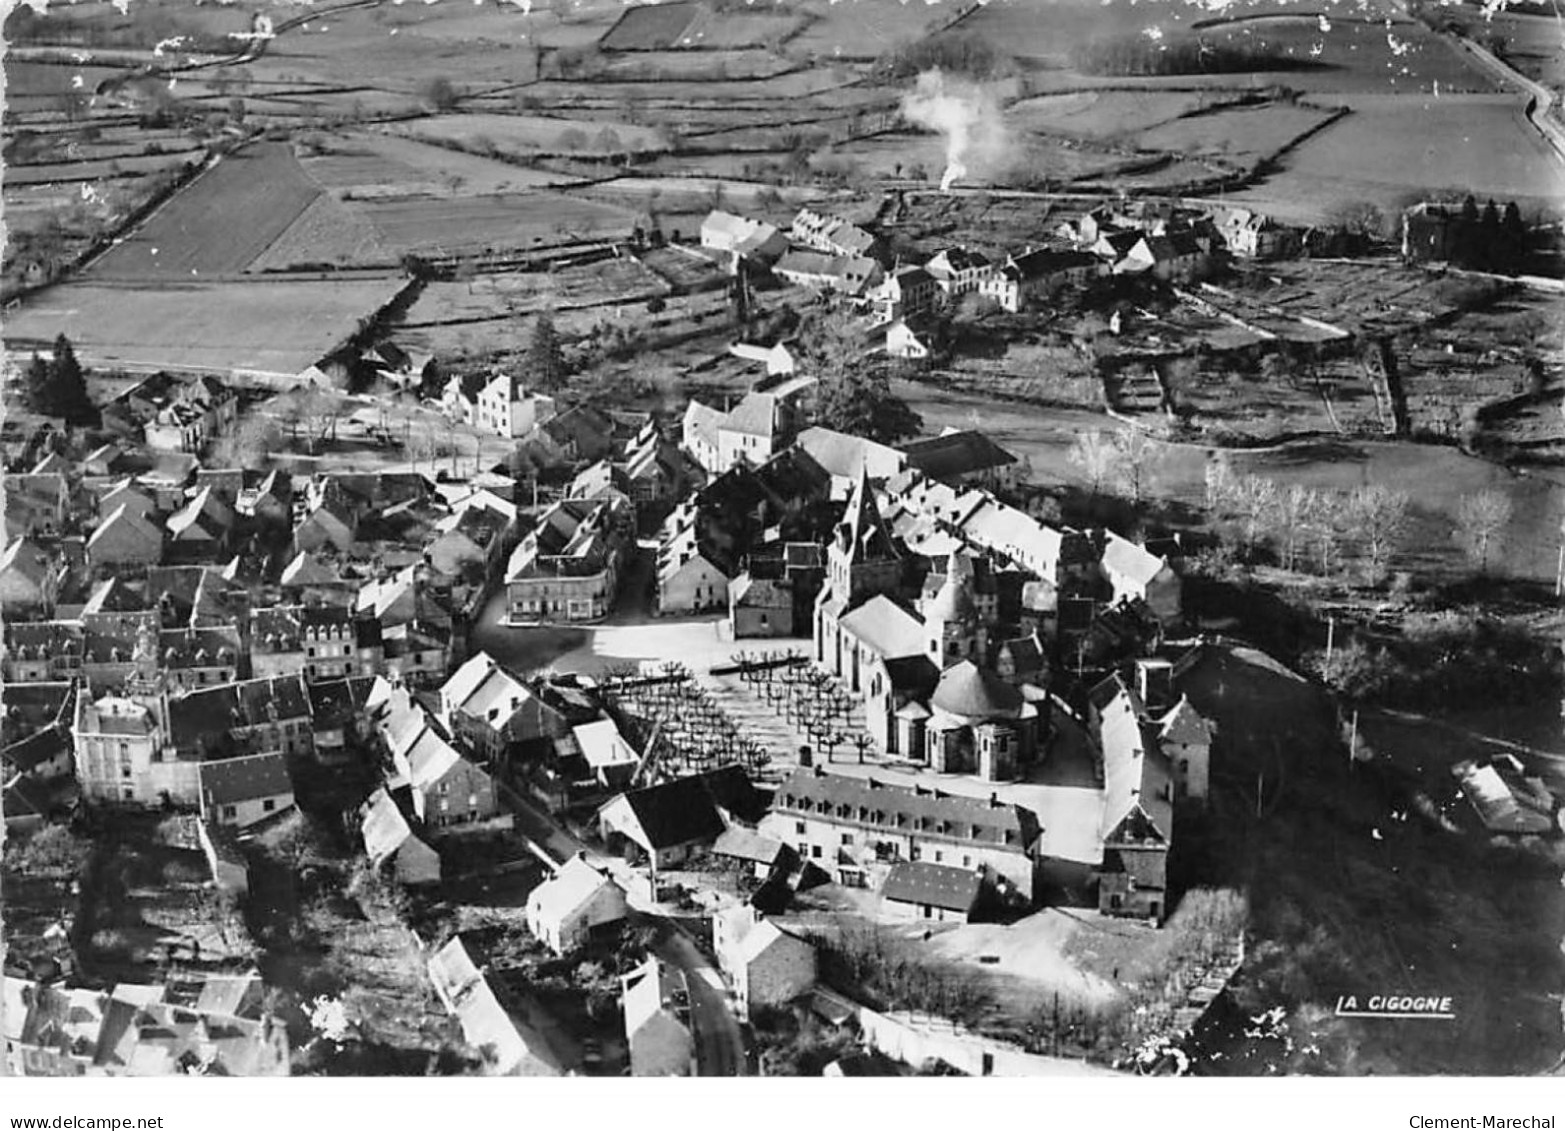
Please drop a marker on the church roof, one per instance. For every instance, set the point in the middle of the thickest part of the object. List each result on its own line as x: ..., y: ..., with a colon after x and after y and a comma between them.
x: 972, y: 692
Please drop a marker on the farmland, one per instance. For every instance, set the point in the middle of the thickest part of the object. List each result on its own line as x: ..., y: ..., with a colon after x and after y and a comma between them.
x: 513, y: 135
x: 214, y: 327
x: 219, y: 224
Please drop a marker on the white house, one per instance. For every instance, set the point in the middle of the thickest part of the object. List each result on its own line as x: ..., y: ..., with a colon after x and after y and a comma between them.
x: 505, y: 409
x: 656, y: 1002
x: 563, y: 910
x: 765, y: 964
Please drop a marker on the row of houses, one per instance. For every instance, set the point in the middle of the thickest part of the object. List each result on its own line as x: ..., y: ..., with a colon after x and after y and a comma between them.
x: 212, y: 1026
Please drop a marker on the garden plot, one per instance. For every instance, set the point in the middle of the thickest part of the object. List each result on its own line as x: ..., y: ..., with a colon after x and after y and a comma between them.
x: 511, y: 294
x: 74, y: 172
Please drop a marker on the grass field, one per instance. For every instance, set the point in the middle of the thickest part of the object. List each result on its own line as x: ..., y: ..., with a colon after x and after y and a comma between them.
x: 1102, y: 113
x: 218, y: 224
x: 1388, y: 148
x: 1244, y: 135
x: 479, y: 224
x: 517, y: 135
x: 518, y: 293
x: 364, y: 163
x: 861, y: 29
x: 275, y: 327
x: 1532, y: 43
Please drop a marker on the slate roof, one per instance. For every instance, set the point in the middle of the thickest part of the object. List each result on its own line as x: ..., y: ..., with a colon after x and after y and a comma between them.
x: 969, y: 691
x: 743, y: 844
x: 924, y: 811
x: 676, y: 812
x: 935, y: 885
x: 886, y: 627
x: 253, y: 778
x: 955, y: 454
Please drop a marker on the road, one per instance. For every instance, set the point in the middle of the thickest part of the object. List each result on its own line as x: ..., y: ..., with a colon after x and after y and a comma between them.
x: 720, y: 1042
x: 720, y: 1047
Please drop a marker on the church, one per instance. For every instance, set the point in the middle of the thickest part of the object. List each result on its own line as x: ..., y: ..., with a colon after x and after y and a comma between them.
x: 927, y: 669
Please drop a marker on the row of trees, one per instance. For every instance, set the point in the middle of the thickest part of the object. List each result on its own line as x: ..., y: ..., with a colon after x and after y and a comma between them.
x: 1139, y: 55
x: 1123, y: 462
x: 1331, y: 531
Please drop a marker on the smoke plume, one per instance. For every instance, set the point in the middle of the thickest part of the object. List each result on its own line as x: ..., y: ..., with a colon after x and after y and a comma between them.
x: 968, y: 116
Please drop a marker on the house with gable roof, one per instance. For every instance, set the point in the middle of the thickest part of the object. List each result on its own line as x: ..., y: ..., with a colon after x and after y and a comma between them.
x: 564, y: 910
x: 656, y: 1003
x: 127, y: 537
x: 1137, y: 574
x: 1138, y: 805
x: 36, y: 506
x: 766, y: 965
x: 511, y: 1047
x: 30, y: 579
x: 243, y: 791
x: 389, y: 838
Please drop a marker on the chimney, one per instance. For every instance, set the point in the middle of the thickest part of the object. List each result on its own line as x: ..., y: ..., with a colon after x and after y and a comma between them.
x: 994, y: 801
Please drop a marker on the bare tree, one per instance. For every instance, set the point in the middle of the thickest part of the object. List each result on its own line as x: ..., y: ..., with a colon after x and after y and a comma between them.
x: 1291, y: 514
x: 1136, y: 459
x: 1253, y: 500
x: 1481, y: 520
x: 249, y: 443
x: 1378, y: 518
x: 1093, y: 453
x: 1219, y: 482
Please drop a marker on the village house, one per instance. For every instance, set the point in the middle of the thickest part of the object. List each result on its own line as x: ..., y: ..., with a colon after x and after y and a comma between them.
x: 656, y: 1004
x: 243, y: 791
x: 906, y: 294
x: 757, y: 428
x: 743, y: 237
x: 510, y: 1045
x: 44, y: 755
x: 568, y: 567
x: 603, y: 748
x: 932, y: 892
x: 565, y: 910
x: 128, y: 493
x: 120, y: 755
x: 845, y: 457
x: 964, y: 459
x: 1138, y: 813
x: 491, y: 709
x: 1029, y: 279
x: 834, y: 235
x: 389, y: 838
x: 459, y: 397
x: 852, y: 275
x: 665, y: 823
x: 910, y: 341
x: 178, y: 414
x: 43, y: 651
x: 857, y: 829
x: 1251, y: 235
x: 124, y: 538
x: 778, y: 359
x: 692, y: 576
x: 504, y: 408
x: 36, y: 506
x: 277, y: 641
x: 138, y: 1030
x: 1136, y: 574
x: 655, y: 468
x: 448, y: 792
x: 766, y: 858
x: 473, y: 540
x: 766, y: 965
x: 30, y: 580
x: 957, y: 271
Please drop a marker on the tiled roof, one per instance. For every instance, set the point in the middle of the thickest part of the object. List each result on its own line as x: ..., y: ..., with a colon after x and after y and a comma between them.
x: 886, y: 627
x: 971, y: 692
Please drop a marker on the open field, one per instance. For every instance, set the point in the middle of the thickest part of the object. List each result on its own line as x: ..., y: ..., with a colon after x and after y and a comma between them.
x: 1530, y: 42
x: 1245, y: 135
x: 1104, y: 114
x: 517, y: 293
x: 218, y: 224
x: 273, y: 327
x: 515, y: 135
x: 688, y: 25
x: 370, y: 164
x: 479, y: 224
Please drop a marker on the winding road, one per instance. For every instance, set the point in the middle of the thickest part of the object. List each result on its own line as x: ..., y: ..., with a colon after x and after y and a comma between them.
x: 721, y: 1049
